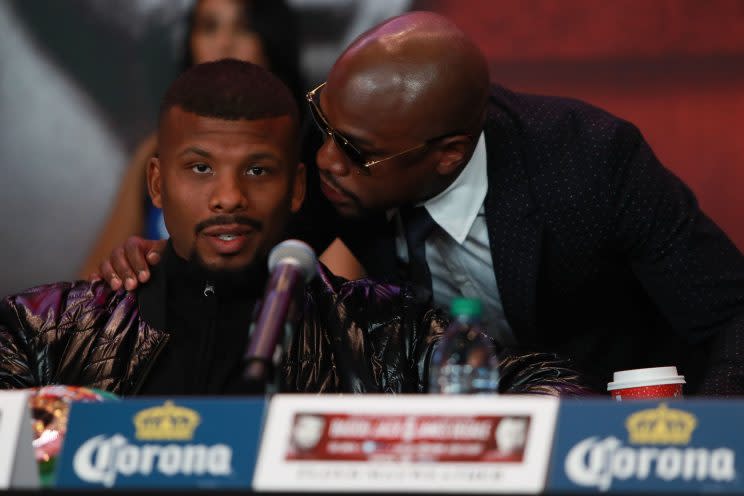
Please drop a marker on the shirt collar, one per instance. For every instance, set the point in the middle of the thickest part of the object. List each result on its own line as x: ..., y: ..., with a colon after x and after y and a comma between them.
x: 456, y: 208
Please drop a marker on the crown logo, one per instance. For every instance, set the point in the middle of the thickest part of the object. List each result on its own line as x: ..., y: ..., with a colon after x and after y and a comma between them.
x: 168, y: 422
x: 661, y: 425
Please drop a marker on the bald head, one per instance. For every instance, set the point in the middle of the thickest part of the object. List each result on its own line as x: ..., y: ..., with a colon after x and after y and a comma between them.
x: 419, y: 67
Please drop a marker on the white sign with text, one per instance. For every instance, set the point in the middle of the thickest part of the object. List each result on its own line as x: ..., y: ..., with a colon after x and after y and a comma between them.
x: 416, y: 443
x: 18, y: 468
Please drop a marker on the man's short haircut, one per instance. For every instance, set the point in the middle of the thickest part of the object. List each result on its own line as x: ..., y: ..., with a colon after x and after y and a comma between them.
x: 231, y: 90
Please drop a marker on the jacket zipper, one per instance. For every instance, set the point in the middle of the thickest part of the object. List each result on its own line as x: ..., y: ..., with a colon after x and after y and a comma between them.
x: 208, y: 289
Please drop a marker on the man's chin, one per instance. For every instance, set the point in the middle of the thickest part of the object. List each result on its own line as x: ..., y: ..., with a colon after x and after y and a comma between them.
x: 233, y: 272
x: 225, y: 265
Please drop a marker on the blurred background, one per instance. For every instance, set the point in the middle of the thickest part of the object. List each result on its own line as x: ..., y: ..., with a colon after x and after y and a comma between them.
x: 80, y: 82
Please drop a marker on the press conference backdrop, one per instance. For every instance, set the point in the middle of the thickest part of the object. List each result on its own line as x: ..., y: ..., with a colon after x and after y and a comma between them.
x: 80, y: 81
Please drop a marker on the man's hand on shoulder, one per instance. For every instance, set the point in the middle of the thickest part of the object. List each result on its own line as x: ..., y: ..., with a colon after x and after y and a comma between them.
x: 134, y: 257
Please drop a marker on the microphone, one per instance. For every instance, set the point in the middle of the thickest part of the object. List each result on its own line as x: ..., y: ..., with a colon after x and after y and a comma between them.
x: 292, y: 264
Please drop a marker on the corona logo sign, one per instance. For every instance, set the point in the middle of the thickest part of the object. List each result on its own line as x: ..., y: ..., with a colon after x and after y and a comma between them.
x: 166, y: 430
x: 659, y: 449
x: 661, y: 425
x: 166, y: 423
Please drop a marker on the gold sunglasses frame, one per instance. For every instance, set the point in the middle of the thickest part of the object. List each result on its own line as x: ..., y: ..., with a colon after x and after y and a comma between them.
x: 328, y: 130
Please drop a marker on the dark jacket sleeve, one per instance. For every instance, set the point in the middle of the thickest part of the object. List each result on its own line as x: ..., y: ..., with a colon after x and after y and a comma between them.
x: 540, y: 373
x: 44, y: 329
x: 520, y: 372
x: 15, y: 349
x: 686, y: 264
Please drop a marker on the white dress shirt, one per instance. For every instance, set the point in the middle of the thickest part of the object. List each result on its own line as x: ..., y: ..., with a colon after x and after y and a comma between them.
x: 458, y: 251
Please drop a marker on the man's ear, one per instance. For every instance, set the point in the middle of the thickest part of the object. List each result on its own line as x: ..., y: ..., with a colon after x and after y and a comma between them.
x: 153, y: 182
x: 299, y: 187
x: 454, y: 151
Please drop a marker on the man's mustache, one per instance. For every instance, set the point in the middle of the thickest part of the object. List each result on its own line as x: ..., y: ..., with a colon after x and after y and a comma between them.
x: 329, y: 178
x: 221, y: 220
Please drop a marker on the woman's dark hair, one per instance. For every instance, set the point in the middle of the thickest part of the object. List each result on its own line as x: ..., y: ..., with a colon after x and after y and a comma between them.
x: 275, y: 24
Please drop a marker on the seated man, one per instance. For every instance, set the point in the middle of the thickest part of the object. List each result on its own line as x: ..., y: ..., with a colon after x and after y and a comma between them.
x: 228, y: 179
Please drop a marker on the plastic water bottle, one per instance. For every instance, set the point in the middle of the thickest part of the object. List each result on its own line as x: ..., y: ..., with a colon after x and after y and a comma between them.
x: 464, y: 361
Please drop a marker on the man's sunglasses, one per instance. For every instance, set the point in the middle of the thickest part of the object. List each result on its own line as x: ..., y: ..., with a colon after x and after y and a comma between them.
x: 351, y: 151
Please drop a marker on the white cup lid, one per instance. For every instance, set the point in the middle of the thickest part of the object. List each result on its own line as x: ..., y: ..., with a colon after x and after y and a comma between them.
x: 655, y: 376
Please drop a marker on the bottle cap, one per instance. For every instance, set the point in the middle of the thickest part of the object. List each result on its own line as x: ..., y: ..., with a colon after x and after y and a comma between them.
x: 468, y: 307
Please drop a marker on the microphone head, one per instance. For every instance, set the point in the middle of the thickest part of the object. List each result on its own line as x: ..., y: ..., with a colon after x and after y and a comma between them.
x: 297, y: 253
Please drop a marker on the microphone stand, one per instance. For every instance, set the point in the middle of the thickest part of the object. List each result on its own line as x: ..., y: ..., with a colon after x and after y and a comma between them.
x: 277, y: 312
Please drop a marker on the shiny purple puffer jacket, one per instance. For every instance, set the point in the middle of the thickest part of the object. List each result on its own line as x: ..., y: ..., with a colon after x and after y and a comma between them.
x: 357, y: 337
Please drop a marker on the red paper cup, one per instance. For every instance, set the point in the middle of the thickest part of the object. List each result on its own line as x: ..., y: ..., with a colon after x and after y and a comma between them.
x: 645, y: 384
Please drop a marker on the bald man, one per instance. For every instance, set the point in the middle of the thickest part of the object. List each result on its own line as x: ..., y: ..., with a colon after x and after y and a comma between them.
x: 555, y: 213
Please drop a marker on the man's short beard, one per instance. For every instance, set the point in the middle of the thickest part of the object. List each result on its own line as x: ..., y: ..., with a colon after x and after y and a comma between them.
x: 251, y: 277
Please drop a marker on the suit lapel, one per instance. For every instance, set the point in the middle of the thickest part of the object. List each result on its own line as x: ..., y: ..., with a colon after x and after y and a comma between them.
x: 514, y: 228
